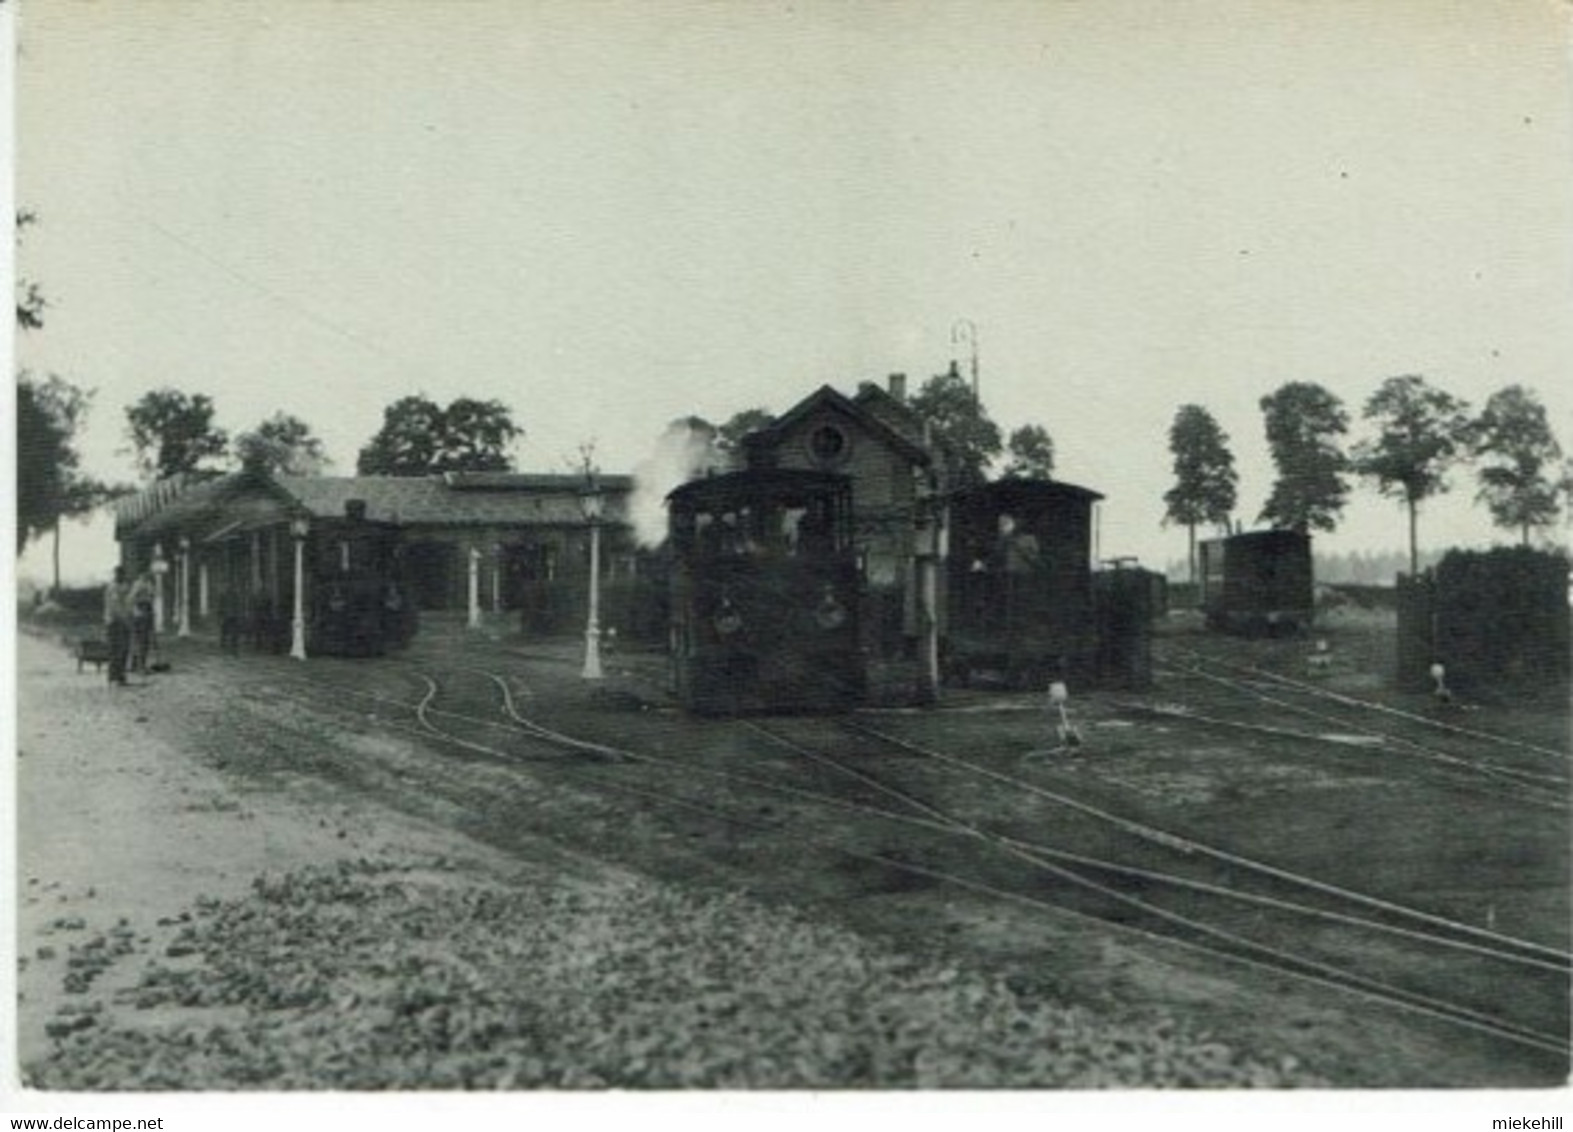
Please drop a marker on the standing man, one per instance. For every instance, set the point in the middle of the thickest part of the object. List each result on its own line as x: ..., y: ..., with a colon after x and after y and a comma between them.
x: 117, y: 624
x: 141, y: 622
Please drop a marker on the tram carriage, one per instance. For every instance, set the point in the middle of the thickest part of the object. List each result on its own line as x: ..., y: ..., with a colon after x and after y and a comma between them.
x: 764, y: 593
x: 357, y: 596
x: 1020, y: 600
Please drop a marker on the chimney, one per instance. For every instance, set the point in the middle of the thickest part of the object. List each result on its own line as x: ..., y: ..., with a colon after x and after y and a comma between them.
x: 898, y: 387
x: 354, y: 509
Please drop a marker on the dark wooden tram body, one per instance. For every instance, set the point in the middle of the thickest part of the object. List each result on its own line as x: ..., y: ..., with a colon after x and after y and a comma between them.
x: 357, y: 597
x: 1257, y: 582
x: 764, y: 593
x: 1020, y: 602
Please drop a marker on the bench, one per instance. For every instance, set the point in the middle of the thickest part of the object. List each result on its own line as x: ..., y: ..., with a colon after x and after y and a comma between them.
x: 91, y: 651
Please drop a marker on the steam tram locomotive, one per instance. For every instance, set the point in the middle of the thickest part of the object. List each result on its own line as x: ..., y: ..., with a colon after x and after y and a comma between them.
x: 764, y: 593
x: 358, y: 603
x: 1020, y: 601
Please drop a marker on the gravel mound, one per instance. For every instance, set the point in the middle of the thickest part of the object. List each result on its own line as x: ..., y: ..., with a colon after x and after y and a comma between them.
x: 380, y: 974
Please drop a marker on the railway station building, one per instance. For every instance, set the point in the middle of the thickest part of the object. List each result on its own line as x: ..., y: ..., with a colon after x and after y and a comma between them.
x: 490, y: 543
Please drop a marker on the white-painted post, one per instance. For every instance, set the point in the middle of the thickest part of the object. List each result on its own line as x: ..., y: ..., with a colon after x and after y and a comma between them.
x: 183, y: 589
x: 475, y: 588
x: 592, y: 503
x: 204, y: 606
x: 160, y: 569
x: 297, y: 643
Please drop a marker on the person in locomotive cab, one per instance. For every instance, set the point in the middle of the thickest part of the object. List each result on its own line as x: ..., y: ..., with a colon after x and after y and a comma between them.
x: 117, y: 624
x: 1020, y: 550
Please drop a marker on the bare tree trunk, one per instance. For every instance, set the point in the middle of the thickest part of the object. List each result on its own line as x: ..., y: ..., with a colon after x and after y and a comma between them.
x: 55, y: 593
x: 1192, y: 528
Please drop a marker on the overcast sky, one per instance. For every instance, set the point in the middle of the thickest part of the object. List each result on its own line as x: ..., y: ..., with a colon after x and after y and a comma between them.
x: 608, y: 215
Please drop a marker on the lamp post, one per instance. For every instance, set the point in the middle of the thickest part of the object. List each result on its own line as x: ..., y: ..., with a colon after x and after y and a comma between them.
x: 160, y: 567
x: 183, y: 588
x: 299, y: 528
x: 591, y: 502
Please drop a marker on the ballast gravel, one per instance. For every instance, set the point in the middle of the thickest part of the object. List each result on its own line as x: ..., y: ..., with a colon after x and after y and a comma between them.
x: 384, y: 974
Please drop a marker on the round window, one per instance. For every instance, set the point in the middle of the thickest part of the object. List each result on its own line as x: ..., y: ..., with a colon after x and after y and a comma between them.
x: 828, y: 444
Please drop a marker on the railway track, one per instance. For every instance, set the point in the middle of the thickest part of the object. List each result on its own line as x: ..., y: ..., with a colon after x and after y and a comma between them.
x: 1507, y: 765
x: 1154, y: 889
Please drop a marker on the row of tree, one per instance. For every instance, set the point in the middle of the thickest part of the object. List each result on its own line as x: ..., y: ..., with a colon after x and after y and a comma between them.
x: 1420, y: 434
x: 172, y: 432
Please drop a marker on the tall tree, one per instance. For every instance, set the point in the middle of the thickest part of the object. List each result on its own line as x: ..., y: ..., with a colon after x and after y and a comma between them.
x: 47, y: 414
x: 50, y: 483
x: 1304, y: 425
x: 477, y: 436
x: 409, y: 441
x: 1422, y: 432
x: 283, y: 444
x: 1205, y: 481
x: 960, y: 423
x: 1520, y: 475
x: 1031, y: 451
x: 173, y: 432
x: 419, y: 437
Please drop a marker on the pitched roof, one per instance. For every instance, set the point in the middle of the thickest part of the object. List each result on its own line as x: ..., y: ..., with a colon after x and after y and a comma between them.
x: 178, y: 501
x: 1015, y: 491
x: 870, y: 420
x: 533, y: 481
x: 480, y: 499
x: 897, y: 414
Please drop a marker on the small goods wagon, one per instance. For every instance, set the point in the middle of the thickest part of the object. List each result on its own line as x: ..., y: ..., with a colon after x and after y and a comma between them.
x: 1257, y: 582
